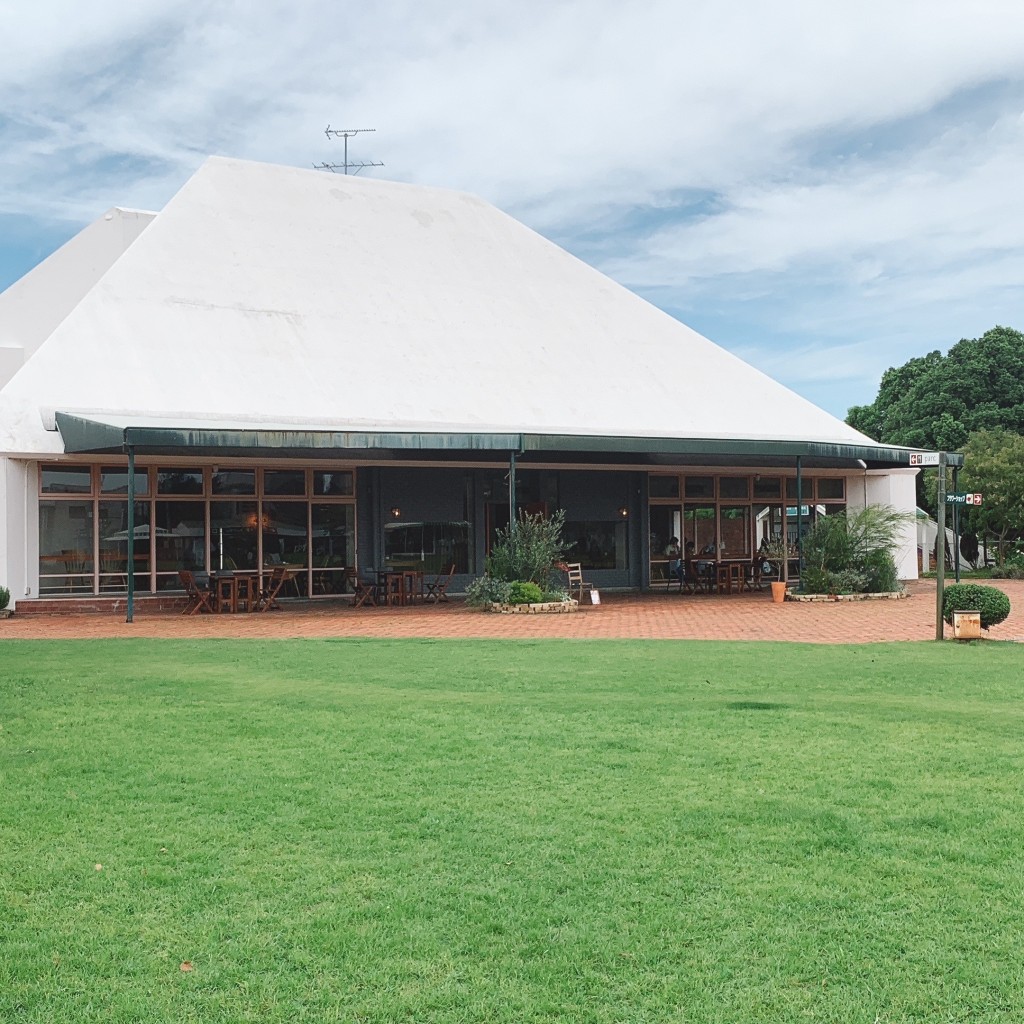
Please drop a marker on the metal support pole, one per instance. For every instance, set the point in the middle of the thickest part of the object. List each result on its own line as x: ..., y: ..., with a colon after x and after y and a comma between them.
x: 800, y: 521
x: 131, y: 533
x: 940, y: 547
x: 512, y: 518
x: 956, y: 526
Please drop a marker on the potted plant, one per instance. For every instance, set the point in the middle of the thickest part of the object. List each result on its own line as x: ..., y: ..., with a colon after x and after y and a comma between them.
x: 777, y: 553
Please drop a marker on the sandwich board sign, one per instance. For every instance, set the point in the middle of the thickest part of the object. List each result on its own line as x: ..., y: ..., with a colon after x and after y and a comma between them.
x: 924, y: 458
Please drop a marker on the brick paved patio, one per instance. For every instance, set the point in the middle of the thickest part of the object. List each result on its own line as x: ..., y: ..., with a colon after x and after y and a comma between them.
x: 651, y: 616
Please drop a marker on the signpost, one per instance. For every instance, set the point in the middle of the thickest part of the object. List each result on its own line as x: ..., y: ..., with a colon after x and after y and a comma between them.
x: 963, y: 498
x: 925, y: 458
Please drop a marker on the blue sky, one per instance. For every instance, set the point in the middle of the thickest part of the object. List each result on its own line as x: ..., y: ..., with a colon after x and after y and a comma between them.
x: 826, y: 189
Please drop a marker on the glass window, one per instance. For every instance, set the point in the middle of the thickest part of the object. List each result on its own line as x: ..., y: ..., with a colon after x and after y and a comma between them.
x: 663, y: 486
x: 66, y: 479
x: 597, y: 544
x: 665, y: 523
x: 284, y: 533
x: 234, y: 481
x: 767, y: 487
x: 114, y: 480
x: 284, y: 481
x: 114, y: 545
x: 734, y: 487
x: 333, y: 546
x: 65, y: 547
x: 735, y: 535
x: 233, y: 534
x: 700, y: 487
x: 429, y: 547
x: 807, y: 485
x: 179, y: 481
x: 699, y: 528
x: 180, y: 540
x: 333, y: 482
x: 831, y: 489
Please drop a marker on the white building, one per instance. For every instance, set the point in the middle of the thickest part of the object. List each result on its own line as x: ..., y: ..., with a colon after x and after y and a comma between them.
x: 333, y: 370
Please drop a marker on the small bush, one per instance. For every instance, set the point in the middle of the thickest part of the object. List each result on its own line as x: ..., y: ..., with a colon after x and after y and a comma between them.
x: 486, y: 590
x: 554, y: 596
x: 5, y: 597
x: 529, y: 549
x: 993, y: 604
x: 521, y: 592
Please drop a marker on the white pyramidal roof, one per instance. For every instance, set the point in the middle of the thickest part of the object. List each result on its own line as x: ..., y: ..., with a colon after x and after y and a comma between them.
x: 269, y: 296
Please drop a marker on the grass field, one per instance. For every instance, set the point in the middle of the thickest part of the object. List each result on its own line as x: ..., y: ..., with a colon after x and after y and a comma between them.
x: 483, y: 831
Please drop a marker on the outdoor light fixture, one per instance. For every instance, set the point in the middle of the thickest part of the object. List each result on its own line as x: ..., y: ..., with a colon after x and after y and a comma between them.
x: 624, y: 512
x: 396, y: 512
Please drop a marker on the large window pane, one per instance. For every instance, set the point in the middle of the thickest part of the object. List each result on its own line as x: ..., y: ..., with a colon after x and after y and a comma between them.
x: 699, y: 528
x: 767, y: 487
x: 663, y: 486
x: 65, y: 547
x: 597, y: 544
x: 333, y: 541
x: 700, y: 487
x: 666, y: 522
x: 430, y: 547
x: 65, y: 479
x: 233, y: 534
x: 180, y: 537
x: 734, y: 487
x: 831, y: 489
x: 115, y: 545
x: 735, y: 525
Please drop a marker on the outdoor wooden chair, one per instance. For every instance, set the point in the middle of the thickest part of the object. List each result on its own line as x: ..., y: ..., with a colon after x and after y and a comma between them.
x: 278, y: 577
x: 693, y: 581
x: 574, y: 572
x: 437, y: 588
x: 364, y: 589
x: 199, y: 597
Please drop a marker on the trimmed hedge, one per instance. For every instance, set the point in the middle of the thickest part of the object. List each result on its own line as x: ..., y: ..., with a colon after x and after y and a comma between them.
x: 993, y: 604
x: 522, y: 592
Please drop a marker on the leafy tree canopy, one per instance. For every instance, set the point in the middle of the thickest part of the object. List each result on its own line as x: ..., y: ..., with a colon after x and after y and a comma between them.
x: 937, y: 401
x: 994, y: 466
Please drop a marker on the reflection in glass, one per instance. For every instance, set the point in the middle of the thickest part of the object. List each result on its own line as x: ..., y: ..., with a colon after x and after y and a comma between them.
x: 65, y: 547
x: 663, y: 486
x: 700, y: 487
x: 733, y: 487
x: 180, y: 540
x: 284, y: 481
x: 234, y: 481
x: 597, y: 544
x: 65, y: 479
x: 429, y: 547
x: 233, y: 534
x: 179, y: 481
x: 333, y: 546
x: 114, y: 545
x: 337, y: 481
x: 114, y: 480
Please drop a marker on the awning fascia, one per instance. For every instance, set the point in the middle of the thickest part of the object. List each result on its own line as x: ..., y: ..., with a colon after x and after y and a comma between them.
x: 85, y: 435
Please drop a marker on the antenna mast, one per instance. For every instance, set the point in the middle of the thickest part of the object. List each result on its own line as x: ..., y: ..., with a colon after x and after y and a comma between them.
x: 346, y: 134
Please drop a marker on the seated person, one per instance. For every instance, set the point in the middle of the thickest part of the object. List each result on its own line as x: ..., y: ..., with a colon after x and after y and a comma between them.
x: 675, y: 564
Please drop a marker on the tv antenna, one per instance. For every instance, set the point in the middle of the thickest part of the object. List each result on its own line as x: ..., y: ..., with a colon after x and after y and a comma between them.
x: 346, y: 165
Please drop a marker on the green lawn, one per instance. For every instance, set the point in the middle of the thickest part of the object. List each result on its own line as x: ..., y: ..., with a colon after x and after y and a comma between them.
x: 473, y: 831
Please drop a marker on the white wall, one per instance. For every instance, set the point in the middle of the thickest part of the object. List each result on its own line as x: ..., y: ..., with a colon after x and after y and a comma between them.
x: 893, y: 487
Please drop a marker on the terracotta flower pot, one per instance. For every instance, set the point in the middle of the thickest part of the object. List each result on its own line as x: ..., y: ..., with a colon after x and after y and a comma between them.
x: 778, y: 591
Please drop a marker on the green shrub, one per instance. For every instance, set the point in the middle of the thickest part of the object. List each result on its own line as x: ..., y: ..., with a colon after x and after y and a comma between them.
x: 530, y: 549
x: 486, y: 590
x: 5, y: 597
x: 993, y: 604
x: 521, y: 592
x: 554, y: 596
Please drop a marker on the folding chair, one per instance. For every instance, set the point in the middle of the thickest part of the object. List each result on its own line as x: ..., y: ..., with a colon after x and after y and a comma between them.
x: 364, y: 589
x: 438, y: 587
x: 198, y: 596
x: 278, y: 577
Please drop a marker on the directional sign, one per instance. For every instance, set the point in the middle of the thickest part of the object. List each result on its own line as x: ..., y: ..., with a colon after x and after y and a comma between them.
x: 924, y: 458
x: 963, y: 498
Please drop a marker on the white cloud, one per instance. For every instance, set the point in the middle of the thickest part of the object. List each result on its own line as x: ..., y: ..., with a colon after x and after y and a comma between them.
x: 843, y: 168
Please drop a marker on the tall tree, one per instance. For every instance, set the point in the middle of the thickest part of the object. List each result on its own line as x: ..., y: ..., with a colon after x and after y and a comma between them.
x: 937, y: 401
x: 994, y: 467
